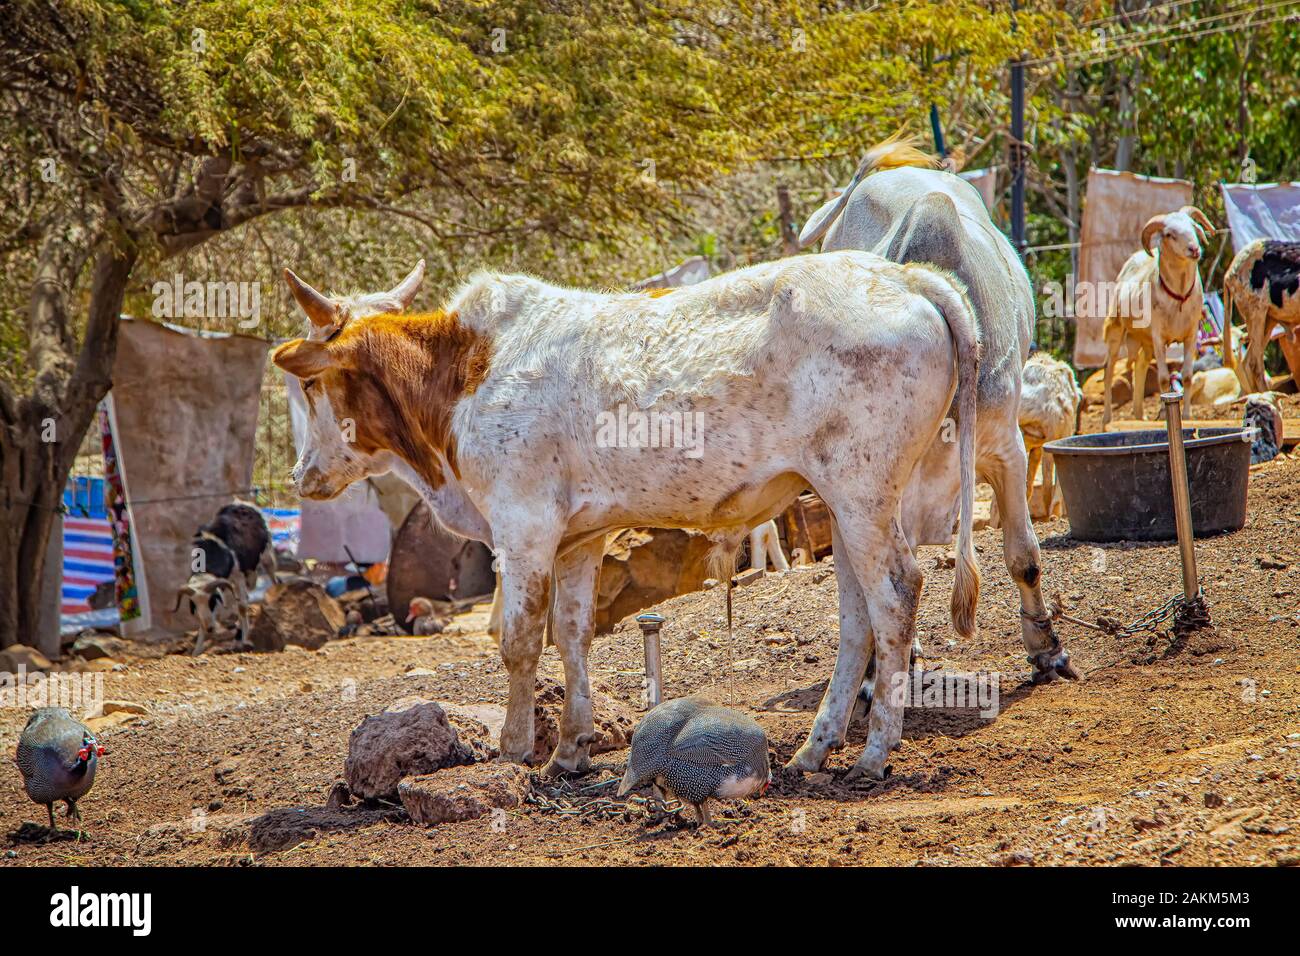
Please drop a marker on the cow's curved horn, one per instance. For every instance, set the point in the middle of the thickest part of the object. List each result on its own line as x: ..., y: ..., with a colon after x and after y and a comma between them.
x: 319, y: 309
x: 404, y: 291
x: 1200, y: 219
x: 1154, y: 225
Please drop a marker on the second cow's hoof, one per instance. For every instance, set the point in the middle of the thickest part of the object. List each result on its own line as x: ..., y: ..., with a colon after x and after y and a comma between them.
x: 1052, y: 664
x: 867, y: 771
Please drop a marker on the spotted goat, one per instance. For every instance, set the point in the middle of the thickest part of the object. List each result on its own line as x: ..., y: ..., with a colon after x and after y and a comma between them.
x: 1263, y: 282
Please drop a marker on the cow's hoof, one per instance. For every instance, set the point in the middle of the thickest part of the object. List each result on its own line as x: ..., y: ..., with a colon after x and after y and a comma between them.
x: 867, y: 770
x: 807, y: 760
x: 1051, y: 664
x: 508, y: 757
x: 555, y: 767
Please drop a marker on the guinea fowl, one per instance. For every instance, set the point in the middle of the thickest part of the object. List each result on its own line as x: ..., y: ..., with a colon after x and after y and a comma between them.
x: 57, y: 757
x: 698, y: 751
x: 424, y: 618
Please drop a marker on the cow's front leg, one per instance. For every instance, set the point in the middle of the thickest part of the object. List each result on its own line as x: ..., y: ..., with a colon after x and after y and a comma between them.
x: 832, y: 720
x: 577, y: 575
x: 525, y: 596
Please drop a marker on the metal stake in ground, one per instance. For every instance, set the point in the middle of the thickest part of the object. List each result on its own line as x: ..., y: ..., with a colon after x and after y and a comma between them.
x: 1182, y: 495
x: 1192, y: 613
x: 651, y: 624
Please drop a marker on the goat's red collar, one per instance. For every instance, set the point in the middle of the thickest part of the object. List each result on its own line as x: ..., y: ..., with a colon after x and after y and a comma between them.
x: 1160, y: 274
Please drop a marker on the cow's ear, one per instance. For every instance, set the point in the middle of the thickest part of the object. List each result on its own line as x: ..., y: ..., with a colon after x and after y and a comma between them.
x: 303, y: 358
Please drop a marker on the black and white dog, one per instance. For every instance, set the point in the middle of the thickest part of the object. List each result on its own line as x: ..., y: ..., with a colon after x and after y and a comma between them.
x: 226, y: 555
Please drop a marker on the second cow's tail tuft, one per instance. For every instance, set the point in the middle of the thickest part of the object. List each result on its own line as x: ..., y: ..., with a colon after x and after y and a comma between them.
x: 898, y: 150
x: 948, y: 295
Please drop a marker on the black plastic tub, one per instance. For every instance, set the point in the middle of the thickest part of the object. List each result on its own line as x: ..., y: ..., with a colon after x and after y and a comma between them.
x: 1116, y: 485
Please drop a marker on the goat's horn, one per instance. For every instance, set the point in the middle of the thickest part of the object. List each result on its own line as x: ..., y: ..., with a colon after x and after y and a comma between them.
x: 1154, y: 225
x: 319, y: 309
x: 404, y: 291
x: 1199, y: 217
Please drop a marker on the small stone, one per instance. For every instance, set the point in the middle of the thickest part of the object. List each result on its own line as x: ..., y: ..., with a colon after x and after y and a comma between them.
x: 124, y: 707
x: 109, y: 721
x: 21, y: 656
x: 1012, y: 858
x: 1213, y: 800
x: 410, y: 738
x: 463, y: 793
x: 340, y: 796
x: 94, y: 646
x: 819, y: 779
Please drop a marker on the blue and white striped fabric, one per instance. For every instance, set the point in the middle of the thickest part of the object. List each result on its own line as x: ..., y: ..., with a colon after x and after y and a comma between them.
x: 87, y: 559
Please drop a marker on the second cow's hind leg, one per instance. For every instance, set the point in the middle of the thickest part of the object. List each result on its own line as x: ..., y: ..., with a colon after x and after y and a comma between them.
x: 855, y: 650
x: 1005, y: 467
x: 892, y: 593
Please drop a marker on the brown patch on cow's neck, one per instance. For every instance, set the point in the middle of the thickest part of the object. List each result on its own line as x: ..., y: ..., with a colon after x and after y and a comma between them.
x: 399, y: 378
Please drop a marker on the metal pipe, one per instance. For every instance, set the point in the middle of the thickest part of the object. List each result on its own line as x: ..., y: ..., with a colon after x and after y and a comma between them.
x: 1017, y: 151
x: 651, y: 624
x: 1182, y: 493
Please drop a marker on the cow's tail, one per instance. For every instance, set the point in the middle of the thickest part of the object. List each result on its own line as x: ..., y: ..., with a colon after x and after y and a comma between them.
x: 948, y: 295
x: 898, y: 150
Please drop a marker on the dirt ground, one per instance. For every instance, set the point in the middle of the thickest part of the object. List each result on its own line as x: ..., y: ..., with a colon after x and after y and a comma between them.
x: 1169, y: 753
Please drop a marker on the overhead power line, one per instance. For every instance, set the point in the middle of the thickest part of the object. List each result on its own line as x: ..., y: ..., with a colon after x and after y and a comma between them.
x: 1082, y: 58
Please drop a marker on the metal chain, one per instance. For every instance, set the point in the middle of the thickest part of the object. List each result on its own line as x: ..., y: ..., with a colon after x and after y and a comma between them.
x: 1188, y: 615
x: 563, y: 800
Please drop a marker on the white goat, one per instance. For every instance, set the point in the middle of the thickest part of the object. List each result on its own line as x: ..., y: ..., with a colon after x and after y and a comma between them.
x: 1049, y: 407
x: 1158, y: 301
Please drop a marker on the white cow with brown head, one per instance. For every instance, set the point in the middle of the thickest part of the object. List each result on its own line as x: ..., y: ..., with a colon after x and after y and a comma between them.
x: 539, y: 418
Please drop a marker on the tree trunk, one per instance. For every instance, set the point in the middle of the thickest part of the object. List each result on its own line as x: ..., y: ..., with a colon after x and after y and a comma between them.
x: 40, y: 432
